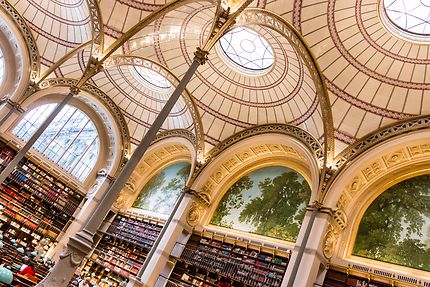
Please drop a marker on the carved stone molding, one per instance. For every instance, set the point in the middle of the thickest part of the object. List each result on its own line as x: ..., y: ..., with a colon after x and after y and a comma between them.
x: 295, y: 132
x: 194, y: 214
x: 378, y: 165
x: 329, y: 241
x: 361, y: 178
x: 182, y: 133
x: 122, y: 199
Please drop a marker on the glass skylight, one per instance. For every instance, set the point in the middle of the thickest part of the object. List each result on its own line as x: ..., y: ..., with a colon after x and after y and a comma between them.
x: 247, y: 49
x: 412, y: 16
x: 152, y: 78
x: 71, y: 139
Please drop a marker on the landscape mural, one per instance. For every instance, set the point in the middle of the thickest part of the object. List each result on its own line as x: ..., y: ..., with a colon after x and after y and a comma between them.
x: 160, y: 193
x: 270, y: 201
x: 396, y: 226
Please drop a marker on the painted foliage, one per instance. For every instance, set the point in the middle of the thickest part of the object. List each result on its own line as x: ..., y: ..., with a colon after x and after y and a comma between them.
x: 396, y: 226
x: 160, y: 193
x: 270, y: 201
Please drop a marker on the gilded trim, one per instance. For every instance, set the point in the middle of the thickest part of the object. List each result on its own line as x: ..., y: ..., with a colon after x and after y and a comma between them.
x: 28, y: 37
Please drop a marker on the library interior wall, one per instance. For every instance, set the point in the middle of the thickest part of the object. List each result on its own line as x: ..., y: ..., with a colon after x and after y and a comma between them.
x: 356, y: 186
x: 364, y: 179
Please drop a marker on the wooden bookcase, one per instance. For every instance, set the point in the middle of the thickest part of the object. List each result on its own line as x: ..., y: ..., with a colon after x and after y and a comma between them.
x: 210, y: 262
x: 33, y: 203
x: 335, y: 278
x: 123, y: 248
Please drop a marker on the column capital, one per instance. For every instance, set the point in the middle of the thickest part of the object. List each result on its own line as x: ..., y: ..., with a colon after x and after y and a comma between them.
x: 74, y: 90
x: 318, y: 206
x: 202, y: 197
x: 15, y: 105
x: 201, y: 56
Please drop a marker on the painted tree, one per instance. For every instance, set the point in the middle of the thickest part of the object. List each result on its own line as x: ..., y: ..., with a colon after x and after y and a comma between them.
x: 151, y: 187
x: 280, y: 209
x: 232, y: 199
x: 393, y: 227
x: 167, y: 196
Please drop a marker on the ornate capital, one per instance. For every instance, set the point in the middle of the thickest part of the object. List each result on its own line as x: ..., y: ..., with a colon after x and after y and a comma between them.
x: 203, y: 197
x: 74, y: 90
x: 201, y: 56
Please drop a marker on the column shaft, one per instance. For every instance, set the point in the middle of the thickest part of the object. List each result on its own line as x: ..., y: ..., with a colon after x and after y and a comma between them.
x: 305, y: 264
x: 23, y: 151
x: 82, y: 243
x: 156, y: 266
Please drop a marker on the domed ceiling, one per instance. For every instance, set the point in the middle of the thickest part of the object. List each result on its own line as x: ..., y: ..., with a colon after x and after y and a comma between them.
x: 372, y: 77
x: 58, y: 26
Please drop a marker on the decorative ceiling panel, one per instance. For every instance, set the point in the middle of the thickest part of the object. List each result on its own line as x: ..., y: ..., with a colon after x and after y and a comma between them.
x: 229, y: 100
x: 374, y: 78
x: 140, y: 104
x: 58, y: 26
x: 75, y: 66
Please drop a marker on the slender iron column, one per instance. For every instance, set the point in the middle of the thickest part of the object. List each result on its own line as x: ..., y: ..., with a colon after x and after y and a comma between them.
x: 22, y: 152
x: 82, y: 243
x: 15, y: 107
x: 315, y: 210
x: 162, y: 232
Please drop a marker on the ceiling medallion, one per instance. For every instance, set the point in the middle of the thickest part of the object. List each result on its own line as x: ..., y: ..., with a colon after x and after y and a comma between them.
x: 246, y: 51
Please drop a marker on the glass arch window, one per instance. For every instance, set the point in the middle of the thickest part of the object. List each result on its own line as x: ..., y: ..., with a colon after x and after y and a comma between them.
x: 412, y: 16
x: 151, y: 78
x: 247, y: 50
x: 71, y: 139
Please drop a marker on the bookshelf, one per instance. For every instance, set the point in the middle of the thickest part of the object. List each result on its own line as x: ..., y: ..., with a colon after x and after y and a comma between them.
x: 211, y: 262
x: 122, y: 249
x: 336, y: 278
x: 33, y: 203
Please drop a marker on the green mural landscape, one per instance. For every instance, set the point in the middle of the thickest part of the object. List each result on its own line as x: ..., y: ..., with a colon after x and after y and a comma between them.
x: 161, y: 192
x: 270, y: 201
x: 396, y: 226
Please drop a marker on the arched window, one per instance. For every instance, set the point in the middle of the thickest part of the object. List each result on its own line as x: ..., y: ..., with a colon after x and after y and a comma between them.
x: 71, y: 139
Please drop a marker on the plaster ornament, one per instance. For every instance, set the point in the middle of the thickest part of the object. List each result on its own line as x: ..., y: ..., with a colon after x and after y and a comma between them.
x: 329, y: 241
x: 121, y: 200
x: 194, y: 214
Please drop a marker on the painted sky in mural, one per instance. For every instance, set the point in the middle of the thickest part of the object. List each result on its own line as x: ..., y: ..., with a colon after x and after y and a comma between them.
x: 396, y: 226
x: 270, y: 201
x: 160, y: 193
